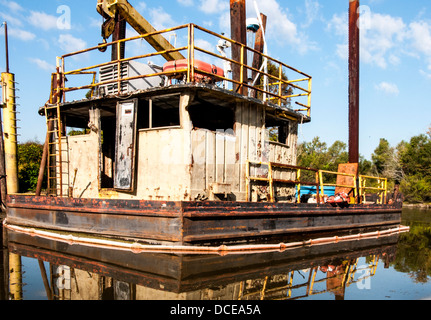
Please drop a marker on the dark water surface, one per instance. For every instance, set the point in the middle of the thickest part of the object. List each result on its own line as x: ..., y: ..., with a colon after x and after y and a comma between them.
x: 396, y: 267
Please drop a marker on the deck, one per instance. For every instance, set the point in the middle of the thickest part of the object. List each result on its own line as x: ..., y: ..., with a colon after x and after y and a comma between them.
x: 189, y: 222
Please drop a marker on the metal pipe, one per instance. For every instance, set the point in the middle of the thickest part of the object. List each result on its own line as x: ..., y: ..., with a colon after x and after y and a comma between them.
x: 354, y: 81
x: 6, y: 46
x: 192, y: 249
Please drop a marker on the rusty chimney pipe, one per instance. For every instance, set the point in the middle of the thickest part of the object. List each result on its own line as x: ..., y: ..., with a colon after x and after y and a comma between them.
x: 239, y: 34
x: 354, y: 81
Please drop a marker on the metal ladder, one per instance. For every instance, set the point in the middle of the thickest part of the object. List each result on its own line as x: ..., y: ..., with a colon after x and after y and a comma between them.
x: 55, y: 162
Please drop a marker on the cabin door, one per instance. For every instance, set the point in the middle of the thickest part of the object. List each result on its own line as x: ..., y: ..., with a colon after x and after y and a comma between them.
x: 124, y: 170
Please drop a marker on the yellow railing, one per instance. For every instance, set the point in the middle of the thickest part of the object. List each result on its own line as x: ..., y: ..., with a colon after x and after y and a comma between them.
x: 270, y: 179
x: 380, y: 185
x: 298, y: 83
x: 360, y: 187
x: 353, y: 186
x: 267, y: 175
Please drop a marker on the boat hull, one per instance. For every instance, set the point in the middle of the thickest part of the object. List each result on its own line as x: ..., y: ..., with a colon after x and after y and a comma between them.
x: 194, y: 222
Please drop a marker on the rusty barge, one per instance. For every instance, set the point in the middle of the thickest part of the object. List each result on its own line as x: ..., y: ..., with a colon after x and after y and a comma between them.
x: 188, y: 152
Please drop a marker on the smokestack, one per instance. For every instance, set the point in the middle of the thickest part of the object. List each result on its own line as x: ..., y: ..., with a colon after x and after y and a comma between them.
x: 239, y: 34
x: 354, y: 81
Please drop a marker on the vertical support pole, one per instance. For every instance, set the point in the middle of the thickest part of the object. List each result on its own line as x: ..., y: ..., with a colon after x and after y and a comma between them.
x: 192, y: 54
x: 280, y: 83
x: 298, y: 186
x: 6, y: 46
x: 10, y: 132
x: 354, y: 81
x: 118, y: 50
x: 238, y: 34
x: 258, y: 46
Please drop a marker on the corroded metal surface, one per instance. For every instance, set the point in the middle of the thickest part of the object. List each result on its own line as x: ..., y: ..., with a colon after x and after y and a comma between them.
x: 353, y: 82
x: 188, y: 222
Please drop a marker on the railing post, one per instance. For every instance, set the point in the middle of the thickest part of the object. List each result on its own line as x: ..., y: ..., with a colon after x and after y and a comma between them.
x: 298, y: 187
x: 271, y: 185
x: 189, y: 52
x: 309, y: 97
x: 280, y: 76
x: 192, y: 53
x: 241, y: 73
x: 322, y: 190
x: 119, y: 67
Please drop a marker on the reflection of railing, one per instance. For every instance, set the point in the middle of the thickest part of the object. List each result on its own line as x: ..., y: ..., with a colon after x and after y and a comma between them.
x: 319, y: 280
x: 284, y: 77
x: 381, y: 186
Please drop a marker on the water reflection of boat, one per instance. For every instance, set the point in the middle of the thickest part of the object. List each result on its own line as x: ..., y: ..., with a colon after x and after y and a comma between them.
x: 80, y: 272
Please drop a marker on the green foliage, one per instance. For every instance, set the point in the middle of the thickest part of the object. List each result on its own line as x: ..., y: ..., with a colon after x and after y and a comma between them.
x: 414, y: 253
x: 29, y: 157
x: 409, y: 164
x: 382, y: 155
x: 317, y: 155
x: 415, y: 161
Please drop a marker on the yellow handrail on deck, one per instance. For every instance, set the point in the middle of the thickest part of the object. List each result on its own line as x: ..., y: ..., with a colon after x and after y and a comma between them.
x: 276, y: 94
x: 353, y: 186
x: 382, y: 187
x: 270, y: 179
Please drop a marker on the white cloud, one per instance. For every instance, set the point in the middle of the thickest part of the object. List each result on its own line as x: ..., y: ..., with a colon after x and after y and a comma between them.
x: 69, y: 43
x: 312, y: 9
x: 43, y: 20
x: 382, y: 37
x: 421, y: 37
x: 161, y: 19
x: 213, y: 6
x: 187, y: 3
x: 280, y: 26
x: 11, y: 20
x: 12, y: 6
x: 42, y: 64
x: 21, y: 34
x: 388, y: 88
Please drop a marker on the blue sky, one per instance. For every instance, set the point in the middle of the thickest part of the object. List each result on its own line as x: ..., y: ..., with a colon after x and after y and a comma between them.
x: 310, y: 35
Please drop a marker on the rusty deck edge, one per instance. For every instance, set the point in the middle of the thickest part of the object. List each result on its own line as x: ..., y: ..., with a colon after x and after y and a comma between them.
x: 188, y: 209
x: 143, y: 236
x: 97, y: 206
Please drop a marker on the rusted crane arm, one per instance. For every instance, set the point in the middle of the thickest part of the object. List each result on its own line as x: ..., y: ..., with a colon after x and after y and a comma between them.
x: 109, y: 8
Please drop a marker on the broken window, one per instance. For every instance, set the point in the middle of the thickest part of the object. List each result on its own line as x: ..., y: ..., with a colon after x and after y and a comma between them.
x: 159, y: 112
x: 206, y: 115
x: 278, y: 129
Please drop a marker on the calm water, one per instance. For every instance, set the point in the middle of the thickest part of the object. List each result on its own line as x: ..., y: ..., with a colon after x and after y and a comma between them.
x: 388, y: 268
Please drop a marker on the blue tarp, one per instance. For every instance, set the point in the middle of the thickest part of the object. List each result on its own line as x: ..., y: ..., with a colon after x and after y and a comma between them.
x: 309, y: 190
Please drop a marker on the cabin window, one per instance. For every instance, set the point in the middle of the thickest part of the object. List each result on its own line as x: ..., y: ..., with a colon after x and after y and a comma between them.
x: 278, y: 130
x: 213, y: 117
x: 159, y: 112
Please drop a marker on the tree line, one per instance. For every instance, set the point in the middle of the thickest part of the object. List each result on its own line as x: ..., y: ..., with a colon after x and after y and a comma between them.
x: 408, y: 164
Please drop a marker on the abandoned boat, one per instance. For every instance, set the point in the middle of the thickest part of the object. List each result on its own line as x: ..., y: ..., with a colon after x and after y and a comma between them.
x: 180, y: 153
